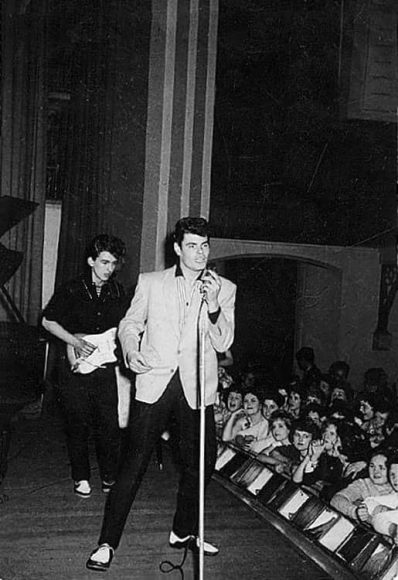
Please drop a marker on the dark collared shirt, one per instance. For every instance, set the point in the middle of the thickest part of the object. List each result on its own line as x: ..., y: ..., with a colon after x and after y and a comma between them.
x: 77, y: 307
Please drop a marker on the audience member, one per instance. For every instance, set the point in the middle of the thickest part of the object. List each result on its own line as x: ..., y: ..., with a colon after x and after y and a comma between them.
x: 340, y: 390
x: 385, y: 507
x: 280, y: 426
x: 350, y: 500
x: 230, y: 402
x: 315, y: 412
x: 247, y: 427
x: 272, y: 401
x: 295, y: 401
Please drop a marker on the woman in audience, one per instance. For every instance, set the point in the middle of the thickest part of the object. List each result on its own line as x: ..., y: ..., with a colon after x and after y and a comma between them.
x: 231, y: 401
x: 247, y: 427
x: 272, y: 401
x: 280, y: 426
x: 322, y: 467
x: 374, y: 411
x: 385, y: 508
x: 350, y: 500
x: 296, y: 398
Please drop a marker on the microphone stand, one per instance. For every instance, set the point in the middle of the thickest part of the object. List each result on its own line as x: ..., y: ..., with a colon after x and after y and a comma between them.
x: 202, y: 407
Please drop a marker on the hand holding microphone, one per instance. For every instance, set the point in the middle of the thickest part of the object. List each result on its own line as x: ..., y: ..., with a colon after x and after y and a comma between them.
x: 211, y: 285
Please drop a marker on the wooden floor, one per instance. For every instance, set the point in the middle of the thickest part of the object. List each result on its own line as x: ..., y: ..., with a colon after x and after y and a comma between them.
x: 46, y: 533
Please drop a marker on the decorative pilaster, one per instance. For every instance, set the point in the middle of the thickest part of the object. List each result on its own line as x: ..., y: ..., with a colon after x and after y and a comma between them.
x: 180, y: 119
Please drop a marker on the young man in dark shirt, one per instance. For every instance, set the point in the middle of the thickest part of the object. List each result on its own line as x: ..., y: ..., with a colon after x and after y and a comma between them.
x: 92, y: 304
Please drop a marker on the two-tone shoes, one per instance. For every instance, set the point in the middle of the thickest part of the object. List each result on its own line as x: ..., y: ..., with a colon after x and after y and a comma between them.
x: 100, y: 559
x: 193, y: 544
x: 107, y: 486
x: 82, y: 488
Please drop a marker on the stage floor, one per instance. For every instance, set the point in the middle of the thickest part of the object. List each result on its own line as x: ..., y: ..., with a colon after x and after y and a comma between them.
x: 47, y: 533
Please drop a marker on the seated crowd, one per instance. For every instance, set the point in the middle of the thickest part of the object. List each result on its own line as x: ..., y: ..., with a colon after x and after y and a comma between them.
x: 340, y: 443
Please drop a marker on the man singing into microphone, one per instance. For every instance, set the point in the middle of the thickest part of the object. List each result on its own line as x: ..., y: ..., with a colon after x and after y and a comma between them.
x: 159, y: 338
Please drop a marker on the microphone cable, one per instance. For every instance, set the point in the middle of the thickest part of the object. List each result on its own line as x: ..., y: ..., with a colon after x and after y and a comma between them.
x: 166, y: 566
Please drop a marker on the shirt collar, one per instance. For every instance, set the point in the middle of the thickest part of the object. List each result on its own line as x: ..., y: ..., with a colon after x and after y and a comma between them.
x: 179, y: 272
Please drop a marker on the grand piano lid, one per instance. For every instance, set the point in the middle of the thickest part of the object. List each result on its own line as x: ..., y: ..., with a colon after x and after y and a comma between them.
x: 13, y: 210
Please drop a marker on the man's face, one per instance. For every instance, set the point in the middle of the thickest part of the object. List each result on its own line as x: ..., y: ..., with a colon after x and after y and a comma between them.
x: 102, y: 267
x: 193, y: 252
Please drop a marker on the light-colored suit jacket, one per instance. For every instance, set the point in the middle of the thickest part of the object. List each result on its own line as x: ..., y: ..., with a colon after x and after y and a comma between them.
x: 152, y: 325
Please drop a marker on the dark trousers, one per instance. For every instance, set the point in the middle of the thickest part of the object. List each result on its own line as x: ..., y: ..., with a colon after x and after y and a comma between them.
x: 90, y: 406
x: 147, y: 422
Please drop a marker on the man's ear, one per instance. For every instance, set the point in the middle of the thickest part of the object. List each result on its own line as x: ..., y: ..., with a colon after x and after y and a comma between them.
x: 90, y: 262
x: 177, y: 249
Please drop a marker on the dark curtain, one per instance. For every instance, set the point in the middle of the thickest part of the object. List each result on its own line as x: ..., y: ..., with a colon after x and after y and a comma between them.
x: 23, y: 142
x: 86, y: 162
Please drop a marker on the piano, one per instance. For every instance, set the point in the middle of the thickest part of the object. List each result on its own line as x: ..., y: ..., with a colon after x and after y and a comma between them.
x: 22, y: 346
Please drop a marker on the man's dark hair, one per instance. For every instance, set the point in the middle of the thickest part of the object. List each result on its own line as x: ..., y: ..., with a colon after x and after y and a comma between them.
x: 105, y: 243
x: 191, y: 225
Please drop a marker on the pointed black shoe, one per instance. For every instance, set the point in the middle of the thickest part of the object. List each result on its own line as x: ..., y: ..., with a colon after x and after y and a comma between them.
x: 103, y: 564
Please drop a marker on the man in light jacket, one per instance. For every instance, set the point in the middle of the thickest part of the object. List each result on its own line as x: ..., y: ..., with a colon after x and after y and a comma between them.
x: 160, y: 341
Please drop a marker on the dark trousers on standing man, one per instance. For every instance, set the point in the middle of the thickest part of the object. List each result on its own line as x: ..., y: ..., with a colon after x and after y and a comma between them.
x: 90, y: 405
x: 147, y: 422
